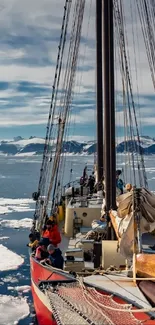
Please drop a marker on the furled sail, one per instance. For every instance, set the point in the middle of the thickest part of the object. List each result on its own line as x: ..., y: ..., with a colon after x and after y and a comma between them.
x: 123, y: 218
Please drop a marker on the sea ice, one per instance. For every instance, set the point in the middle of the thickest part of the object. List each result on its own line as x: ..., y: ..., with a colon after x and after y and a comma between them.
x: 12, y: 309
x: 9, y: 260
x: 25, y: 154
x: 22, y: 223
x: 10, y: 288
x: 3, y: 238
x: 10, y: 279
x: 23, y: 289
x: 8, y: 205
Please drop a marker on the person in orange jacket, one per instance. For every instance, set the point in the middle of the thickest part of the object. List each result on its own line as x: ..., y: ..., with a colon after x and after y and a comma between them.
x: 52, y: 233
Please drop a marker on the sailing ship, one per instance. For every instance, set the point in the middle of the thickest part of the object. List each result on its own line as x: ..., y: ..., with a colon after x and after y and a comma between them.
x: 80, y: 294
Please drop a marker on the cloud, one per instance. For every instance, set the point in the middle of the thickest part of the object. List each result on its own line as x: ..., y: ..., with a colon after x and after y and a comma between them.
x: 30, y: 32
x: 86, y: 116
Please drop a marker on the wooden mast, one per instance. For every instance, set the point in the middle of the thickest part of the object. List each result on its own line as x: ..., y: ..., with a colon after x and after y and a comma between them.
x: 112, y: 109
x: 106, y: 84
x: 99, y: 90
x: 109, y: 108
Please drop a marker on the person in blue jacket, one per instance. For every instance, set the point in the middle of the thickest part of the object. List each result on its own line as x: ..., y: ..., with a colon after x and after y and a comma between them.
x: 119, y: 182
x: 55, y: 257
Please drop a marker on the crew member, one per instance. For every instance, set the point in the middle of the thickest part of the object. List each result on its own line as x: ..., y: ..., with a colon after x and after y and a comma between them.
x: 52, y: 233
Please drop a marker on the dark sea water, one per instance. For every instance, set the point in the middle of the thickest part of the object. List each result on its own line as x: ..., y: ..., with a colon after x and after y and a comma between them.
x: 18, y: 179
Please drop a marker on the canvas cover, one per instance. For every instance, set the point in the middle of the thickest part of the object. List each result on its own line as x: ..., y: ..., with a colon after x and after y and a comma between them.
x: 125, y: 221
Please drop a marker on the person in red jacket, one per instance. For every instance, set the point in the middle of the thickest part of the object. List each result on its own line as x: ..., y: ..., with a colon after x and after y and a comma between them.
x: 52, y: 233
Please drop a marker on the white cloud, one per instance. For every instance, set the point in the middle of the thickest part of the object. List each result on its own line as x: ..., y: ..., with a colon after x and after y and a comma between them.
x: 30, y: 116
x: 30, y: 30
x: 14, y: 73
x: 12, y: 54
x: 25, y: 119
x: 84, y: 116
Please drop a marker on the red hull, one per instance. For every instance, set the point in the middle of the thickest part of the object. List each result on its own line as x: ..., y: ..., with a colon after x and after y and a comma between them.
x: 40, y: 272
x: 43, y: 314
x: 41, y: 303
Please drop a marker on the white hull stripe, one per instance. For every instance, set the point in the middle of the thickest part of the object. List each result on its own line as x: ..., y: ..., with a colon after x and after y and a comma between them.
x: 43, y: 298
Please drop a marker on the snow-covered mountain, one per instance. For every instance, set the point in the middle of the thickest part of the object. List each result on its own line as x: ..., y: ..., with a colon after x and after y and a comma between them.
x: 146, y: 146
x: 147, y: 141
x: 35, y: 145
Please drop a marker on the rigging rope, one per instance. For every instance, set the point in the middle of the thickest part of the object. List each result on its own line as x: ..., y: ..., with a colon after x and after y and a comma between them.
x: 61, y: 46
x: 70, y: 83
x: 146, y: 13
x: 118, y: 12
x: 68, y: 70
x: 51, y: 172
x: 60, y: 177
x: 146, y: 10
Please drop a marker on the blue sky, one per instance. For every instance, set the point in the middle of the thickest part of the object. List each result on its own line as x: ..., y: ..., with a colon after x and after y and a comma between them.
x: 29, y: 36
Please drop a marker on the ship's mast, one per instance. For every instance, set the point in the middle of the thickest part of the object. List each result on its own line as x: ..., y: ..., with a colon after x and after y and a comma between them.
x: 112, y: 109
x: 99, y: 90
x: 109, y: 105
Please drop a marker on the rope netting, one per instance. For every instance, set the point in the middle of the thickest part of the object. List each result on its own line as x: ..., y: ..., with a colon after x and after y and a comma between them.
x: 74, y: 304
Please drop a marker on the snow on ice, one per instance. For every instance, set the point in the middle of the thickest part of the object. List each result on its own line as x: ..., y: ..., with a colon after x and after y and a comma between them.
x: 9, y: 260
x: 12, y: 309
x: 8, y: 205
x: 23, y: 289
x: 16, y: 224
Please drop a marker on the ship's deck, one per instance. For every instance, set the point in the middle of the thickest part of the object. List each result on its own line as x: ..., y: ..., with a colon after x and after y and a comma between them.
x: 118, y: 284
x: 91, y: 204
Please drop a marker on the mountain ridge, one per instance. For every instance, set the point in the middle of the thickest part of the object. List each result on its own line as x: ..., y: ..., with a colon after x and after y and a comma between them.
x: 35, y: 145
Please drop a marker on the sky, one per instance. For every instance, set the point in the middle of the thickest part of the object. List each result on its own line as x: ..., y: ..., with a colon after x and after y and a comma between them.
x: 29, y: 37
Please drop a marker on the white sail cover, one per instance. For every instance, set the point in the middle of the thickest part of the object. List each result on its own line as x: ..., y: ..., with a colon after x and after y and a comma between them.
x: 125, y: 221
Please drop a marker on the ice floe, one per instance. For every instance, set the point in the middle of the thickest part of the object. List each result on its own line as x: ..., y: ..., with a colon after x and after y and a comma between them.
x: 16, y: 224
x: 8, y: 205
x: 10, y: 279
x: 10, y: 288
x: 12, y: 309
x: 23, y: 289
x: 2, y: 176
x: 4, y: 238
x: 9, y: 260
x: 25, y: 154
